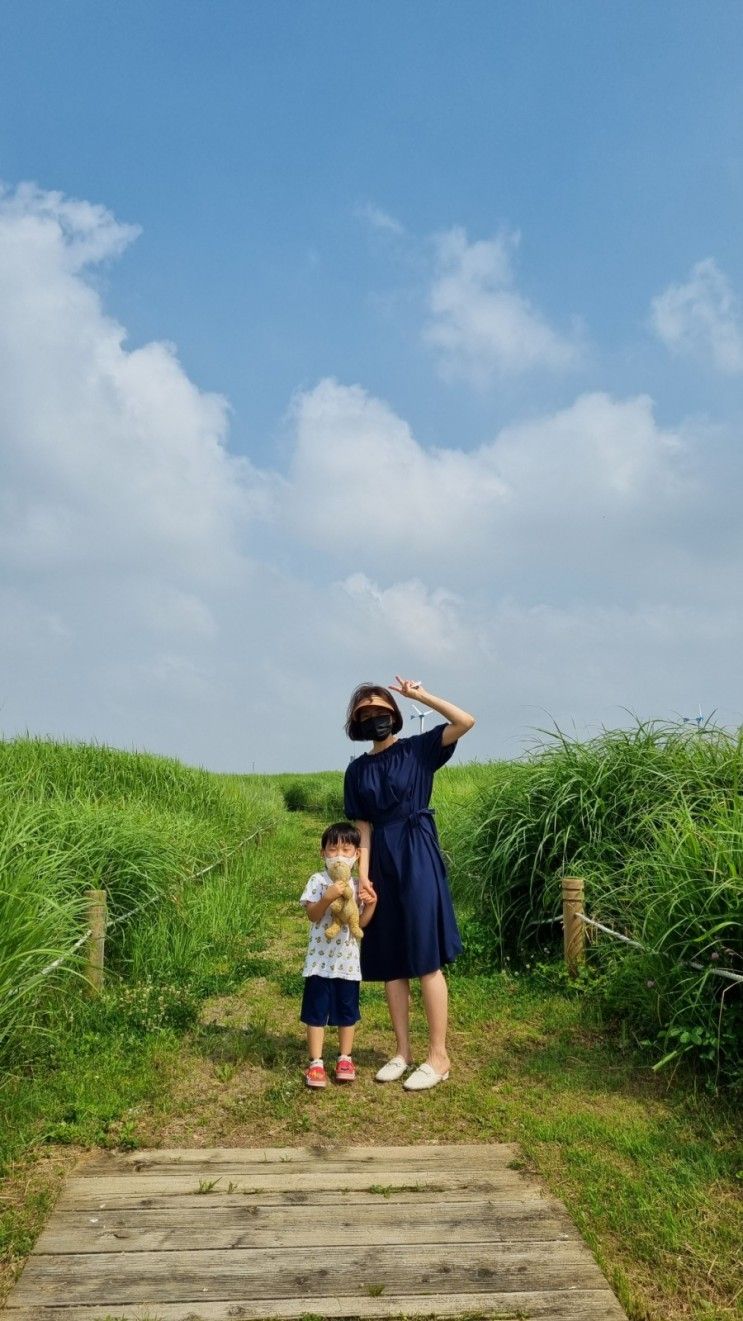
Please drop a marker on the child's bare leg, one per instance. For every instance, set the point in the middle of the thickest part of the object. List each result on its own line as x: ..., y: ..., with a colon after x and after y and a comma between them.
x: 398, y: 1003
x: 315, y: 1037
x: 345, y: 1040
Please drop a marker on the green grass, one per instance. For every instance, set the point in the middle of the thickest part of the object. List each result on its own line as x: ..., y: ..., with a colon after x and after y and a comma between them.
x: 107, y: 1061
x: 206, y: 936
x: 47, y: 769
x: 74, y: 817
x: 648, y: 1164
x: 319, y: 792
x: 647, y: 1167
x: 651, y: 818
x: 90, y: 1092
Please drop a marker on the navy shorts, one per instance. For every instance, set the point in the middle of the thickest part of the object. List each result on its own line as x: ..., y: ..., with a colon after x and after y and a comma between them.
x: 330, y: 1002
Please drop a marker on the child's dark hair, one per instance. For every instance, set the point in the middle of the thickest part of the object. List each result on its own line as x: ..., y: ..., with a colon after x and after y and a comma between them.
x: 341, y: 832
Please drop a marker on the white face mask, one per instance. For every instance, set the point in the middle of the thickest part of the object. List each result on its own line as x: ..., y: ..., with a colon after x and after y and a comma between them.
x: 330, y: 858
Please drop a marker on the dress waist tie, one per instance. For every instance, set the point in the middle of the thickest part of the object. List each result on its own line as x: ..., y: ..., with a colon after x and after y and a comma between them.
x: 419, y: 815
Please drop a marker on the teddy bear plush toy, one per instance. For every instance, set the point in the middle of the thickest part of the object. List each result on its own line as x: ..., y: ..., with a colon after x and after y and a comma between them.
x: 344, y: 909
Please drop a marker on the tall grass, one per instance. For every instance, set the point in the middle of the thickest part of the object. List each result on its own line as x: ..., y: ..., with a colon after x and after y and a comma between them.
x: 46, y: 770
x: 652, y: 819
x: 456, y: 791
x: 319, y: 792
x: 77, y: 816
x: 39, y: 921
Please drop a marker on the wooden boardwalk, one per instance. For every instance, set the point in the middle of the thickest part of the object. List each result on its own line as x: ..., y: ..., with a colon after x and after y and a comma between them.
x: 226, y: 1233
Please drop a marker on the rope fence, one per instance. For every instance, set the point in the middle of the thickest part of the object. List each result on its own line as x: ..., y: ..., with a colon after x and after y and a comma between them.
x: 574, y: 922
x: 99, y: 926
x: 67, y: 955
x: 181, y: 880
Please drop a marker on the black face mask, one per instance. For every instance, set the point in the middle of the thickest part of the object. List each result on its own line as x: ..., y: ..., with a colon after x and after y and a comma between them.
x: 377, y: 728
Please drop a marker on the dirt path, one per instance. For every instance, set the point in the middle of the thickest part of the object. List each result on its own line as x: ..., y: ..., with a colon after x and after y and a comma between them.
x: 240, y: 1082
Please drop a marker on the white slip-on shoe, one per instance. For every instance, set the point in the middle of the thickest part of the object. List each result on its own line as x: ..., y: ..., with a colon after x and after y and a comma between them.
x: 425, y: 1076
x: 392, y: 1070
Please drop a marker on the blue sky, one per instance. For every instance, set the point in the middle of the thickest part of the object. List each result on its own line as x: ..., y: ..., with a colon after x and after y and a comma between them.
x: 244, y: 137
x: 294, y: 170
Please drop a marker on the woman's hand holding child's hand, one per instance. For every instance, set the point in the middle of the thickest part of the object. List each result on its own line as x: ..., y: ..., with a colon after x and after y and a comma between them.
x: 367, y: 893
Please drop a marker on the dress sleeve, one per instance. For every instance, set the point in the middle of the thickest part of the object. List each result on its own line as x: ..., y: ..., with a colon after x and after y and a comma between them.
x: 314, y: 889
x: 351, y: 805
x: 430, y: 749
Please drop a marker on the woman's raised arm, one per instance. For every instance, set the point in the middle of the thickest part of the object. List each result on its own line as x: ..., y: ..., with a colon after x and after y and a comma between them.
x: 460, y: 722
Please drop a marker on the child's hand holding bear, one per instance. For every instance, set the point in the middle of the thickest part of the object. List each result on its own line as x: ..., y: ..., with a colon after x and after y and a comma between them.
x: 344, y: 908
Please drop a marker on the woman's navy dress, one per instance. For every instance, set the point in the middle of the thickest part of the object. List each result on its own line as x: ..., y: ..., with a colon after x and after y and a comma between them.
x: 414, y: 930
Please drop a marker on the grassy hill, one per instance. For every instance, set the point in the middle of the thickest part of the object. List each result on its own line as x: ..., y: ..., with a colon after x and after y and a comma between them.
x: 75, y: 817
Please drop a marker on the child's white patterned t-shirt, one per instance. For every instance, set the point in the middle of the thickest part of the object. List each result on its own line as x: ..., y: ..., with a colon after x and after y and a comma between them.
x: 338, y: 957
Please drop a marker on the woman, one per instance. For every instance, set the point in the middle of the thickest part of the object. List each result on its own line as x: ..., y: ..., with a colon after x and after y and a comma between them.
x: 414, y: 932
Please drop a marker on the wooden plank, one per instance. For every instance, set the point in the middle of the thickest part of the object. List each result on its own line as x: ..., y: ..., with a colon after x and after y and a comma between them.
x: 242, y: 1225
x: 114, y: 1278
x: 551, y: 1305
x: 333, y: 1169
x: 84, y: 1202
x: 489, y: 1153
x: 106, y: 1191
x: 459, y: 1232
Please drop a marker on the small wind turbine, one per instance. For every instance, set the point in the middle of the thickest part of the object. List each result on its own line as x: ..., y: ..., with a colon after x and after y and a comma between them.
x: 697, y: 720
x: 420, y: 715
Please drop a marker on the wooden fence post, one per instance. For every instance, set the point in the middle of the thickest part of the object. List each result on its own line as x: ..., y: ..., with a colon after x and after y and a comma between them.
x: 94, y: 949
x: 573, y: 930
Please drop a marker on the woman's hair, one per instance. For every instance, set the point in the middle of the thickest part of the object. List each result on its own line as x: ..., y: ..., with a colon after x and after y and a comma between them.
x: 342, y: 832
x: 363, y: 691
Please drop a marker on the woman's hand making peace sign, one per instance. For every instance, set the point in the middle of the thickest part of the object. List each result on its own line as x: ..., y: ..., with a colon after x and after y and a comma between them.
x: 408, y: 687
x: 459, y: 721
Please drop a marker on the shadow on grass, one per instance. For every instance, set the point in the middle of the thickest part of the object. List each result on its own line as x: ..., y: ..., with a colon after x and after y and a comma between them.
x: 256, y: 965
x: 586, y: 1066
x: 290, y: 984
x: 259, y: 1045
x: 254, y: 1044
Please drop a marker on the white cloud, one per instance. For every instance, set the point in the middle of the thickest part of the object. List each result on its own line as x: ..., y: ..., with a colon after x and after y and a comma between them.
x: 102, y: 446
x: 124, y: 520
x: 481, y: 326
x: 407, y: 611
x: 577, y: 562
x: 63, y: 231
x: 701, y: 319
x: 352, y: 447
x: 379, y: 219
x: 591, y: 499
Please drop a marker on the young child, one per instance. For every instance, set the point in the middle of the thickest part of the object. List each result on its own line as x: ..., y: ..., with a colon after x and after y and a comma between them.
x: 332, y: 969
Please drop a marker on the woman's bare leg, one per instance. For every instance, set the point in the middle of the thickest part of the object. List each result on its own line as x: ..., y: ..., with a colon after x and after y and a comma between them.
x: 398, y: 1003
x: 435, y: 994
